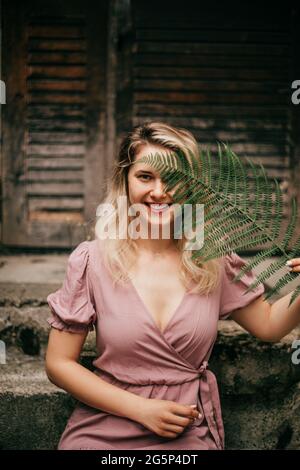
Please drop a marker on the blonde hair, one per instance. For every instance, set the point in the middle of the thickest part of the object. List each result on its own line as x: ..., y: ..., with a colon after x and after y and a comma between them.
x: 119, y: 254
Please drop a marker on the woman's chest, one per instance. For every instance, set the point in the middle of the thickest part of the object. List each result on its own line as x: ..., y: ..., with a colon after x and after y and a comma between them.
x: 153, y: 308
x: 127, y: 327
x: 160, y: 290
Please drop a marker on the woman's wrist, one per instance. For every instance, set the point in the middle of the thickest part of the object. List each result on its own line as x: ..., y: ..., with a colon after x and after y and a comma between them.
x: 135, y: 408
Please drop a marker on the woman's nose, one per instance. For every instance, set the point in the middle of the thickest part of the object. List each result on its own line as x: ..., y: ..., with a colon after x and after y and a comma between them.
x: 158, y: 189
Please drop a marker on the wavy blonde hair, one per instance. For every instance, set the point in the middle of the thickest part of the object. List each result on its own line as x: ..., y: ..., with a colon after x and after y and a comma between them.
x: 120, y: 254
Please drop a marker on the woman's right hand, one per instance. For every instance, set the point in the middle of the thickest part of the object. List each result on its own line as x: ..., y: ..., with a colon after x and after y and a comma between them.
x: 166, y: 418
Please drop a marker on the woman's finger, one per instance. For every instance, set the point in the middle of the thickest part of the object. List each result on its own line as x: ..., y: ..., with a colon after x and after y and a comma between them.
x: 293, y: 265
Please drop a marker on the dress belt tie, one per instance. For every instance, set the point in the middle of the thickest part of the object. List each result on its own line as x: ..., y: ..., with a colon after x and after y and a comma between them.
x: 209, y: 395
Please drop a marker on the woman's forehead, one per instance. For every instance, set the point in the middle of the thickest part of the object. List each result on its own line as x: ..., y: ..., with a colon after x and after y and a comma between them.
x: 148, y: 150
x: 137, y: 165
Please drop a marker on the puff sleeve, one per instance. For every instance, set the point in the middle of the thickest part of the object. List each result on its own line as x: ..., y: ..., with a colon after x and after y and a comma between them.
x: 72, y: 307
x: 232, y: 292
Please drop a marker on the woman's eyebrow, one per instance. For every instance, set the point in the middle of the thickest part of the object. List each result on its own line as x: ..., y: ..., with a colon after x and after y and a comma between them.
x: 144, y: 171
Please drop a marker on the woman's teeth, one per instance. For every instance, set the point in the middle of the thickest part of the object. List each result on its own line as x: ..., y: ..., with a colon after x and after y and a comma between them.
x: 159, y: 207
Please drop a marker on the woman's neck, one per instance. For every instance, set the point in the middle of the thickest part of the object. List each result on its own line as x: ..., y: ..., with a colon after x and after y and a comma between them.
x: 156, y: 247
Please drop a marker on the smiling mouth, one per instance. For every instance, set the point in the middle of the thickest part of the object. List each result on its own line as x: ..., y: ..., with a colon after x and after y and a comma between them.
x: 158, y: 208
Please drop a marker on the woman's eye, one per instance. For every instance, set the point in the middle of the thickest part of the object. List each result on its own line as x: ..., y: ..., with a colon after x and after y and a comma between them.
x: 145, y: 177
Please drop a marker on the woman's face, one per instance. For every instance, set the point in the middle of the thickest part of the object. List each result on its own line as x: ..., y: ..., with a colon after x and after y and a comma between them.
x: 146, y: 187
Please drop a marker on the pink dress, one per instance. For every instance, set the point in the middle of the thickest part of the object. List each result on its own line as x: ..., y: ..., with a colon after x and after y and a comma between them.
x: 133, y: 354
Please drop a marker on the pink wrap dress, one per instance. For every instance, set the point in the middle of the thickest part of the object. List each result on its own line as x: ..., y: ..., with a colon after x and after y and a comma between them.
x: 135, y: 355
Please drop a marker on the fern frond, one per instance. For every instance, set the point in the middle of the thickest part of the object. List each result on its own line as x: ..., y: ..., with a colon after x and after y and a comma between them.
x: 240, y: 213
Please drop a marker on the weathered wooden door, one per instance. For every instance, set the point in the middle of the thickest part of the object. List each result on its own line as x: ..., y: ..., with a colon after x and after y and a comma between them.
x: 54, y: 159
x: 223, y: 70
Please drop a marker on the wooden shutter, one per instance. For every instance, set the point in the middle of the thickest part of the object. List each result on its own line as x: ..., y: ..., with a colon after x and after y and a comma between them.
x: 54, y: 120
x: 221, y: 70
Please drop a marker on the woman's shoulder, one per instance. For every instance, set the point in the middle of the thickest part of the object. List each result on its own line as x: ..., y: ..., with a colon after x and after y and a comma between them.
x: 85, y: 255
x: 95, y: 247
x: 92, y: 250
x: 89, y: 247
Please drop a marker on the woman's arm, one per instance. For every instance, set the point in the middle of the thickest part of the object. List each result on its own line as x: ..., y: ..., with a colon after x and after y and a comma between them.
x: 64, y: 371
x: 271, y: 322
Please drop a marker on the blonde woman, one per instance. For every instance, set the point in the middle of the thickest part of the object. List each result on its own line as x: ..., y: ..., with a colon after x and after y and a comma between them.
x: 155, y: 313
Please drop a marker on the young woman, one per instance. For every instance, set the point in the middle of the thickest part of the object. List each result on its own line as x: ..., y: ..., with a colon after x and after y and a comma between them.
x: 155, y: 312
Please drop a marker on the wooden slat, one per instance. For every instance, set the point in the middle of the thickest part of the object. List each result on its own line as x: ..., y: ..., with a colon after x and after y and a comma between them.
x: 54, y: 175
x: 281, y: 172
x: 56, y: 85
x: 236, y: 136
x: 56, y: 137
x: 215, y: 73
x: 261, y: 62
x: 212, y: 35
x: 250, y: 148
x: 179, y: 109
x: 243, y: 135
x: 55, y: 162
x: 55, y: 125
x: 48, y: 19
x: 62, y: 98
x: 55, y: 149
x: 55, y: 203
x: 228, y: 124
x: 66, y: 45
x: 66, y: 111
x: 265, y: 138
x: 64, y: 216
x: 213, y: 98
x: 57, y: 71
x: 57, y: 188
x: 55, y: 31
x: 54, y: 57
x: 212, y: 49
x: 212, y: 85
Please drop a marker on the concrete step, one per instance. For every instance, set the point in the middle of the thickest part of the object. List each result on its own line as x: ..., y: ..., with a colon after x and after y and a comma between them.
x: 33, y: 411
x: 26, y: 326
x: 25, y: 283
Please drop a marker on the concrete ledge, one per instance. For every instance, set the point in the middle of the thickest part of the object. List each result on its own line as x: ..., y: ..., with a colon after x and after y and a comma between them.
x: 244, y: 365
x: 26, y: 327
x: 33, y: 412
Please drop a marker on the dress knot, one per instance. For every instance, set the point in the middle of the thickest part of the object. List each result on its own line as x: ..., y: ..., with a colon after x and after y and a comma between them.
x: 202, y: 368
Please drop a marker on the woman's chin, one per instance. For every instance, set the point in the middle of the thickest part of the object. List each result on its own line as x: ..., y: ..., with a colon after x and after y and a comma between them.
x: 154, y: 222
x: 157, y: 221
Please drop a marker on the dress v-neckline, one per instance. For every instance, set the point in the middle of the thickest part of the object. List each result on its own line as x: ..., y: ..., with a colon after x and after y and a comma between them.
x: 146, y: 309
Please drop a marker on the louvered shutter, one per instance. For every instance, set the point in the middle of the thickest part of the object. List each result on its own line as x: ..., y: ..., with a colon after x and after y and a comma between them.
x: 54, y: 124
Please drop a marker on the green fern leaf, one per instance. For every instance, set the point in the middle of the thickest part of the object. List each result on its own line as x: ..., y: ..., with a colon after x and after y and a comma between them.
x: 240, y: 213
